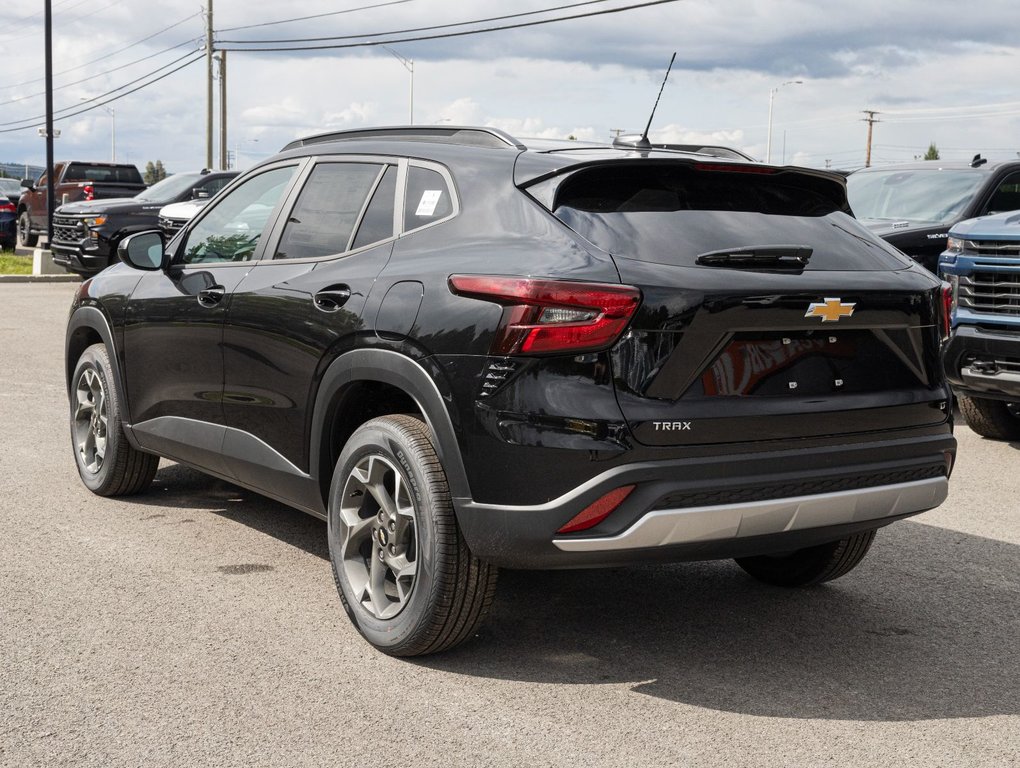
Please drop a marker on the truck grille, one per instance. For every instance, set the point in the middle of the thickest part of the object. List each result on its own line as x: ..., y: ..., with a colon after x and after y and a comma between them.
x: 171, y: 227
x: 68, y: 229
x: 992, y: 247
x: 991, y: 292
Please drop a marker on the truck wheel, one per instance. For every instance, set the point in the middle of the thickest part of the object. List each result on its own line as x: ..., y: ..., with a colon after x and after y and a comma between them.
x: 25, y: 237
x: 812, y: 565
x: 990, y: 418
x: 107, y: 463
x: 404, y: 573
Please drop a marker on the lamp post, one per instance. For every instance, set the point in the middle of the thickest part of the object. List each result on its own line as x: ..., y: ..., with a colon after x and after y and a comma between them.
x: 113, y: 128
x: 772, y: 97
x: 409, y: 66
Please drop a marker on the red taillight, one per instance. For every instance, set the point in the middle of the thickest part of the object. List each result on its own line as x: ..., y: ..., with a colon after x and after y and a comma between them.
x: 947, y: 310
x: 736, y: 168
x: 595, y: 513
x: 90, y: 192
x: 7, y: 206
x: 552, y: 316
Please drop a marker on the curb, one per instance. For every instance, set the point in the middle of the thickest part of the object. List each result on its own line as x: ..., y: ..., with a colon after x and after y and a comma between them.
x: 68, y: 278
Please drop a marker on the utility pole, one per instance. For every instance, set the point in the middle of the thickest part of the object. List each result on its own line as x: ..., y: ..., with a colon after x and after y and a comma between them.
x: 50, y: 201
x: 870, y: 120
x: 209, y: 86
x: 224, y: 157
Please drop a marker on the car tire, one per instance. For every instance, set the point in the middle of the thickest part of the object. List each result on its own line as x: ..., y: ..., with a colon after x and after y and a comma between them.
x: 405, y: 575
x: 106, y: 461
x: 810, y: 566
x: 990, y: 418
x: 25, y: 237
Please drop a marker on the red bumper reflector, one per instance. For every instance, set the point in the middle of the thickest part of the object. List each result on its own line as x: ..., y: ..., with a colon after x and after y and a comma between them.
x: 598, y: 511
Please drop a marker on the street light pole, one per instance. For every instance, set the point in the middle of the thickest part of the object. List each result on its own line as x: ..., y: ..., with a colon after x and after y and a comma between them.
x: 409, y: 66
x: 772, y: 97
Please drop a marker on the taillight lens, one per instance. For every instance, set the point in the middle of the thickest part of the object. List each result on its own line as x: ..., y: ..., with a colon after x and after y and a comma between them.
x: 598, y: 511
x: 7, y: 207
x: 552, y: 316
x: 90, y: 192
x: 947, y: 310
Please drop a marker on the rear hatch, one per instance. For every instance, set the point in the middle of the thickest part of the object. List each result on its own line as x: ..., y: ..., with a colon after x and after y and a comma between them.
x: 768, y: 312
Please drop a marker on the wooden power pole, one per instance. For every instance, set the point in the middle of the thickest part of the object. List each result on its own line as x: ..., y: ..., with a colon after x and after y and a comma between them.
x: 870, y: 120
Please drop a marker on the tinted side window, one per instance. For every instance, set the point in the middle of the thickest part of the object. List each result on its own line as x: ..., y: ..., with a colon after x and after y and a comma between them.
x: 213, y: 186
x: 427, y: 199
x: 327, y: 209
x: 233, y: 227
x: 1007, y: 196
x: 377, y: 223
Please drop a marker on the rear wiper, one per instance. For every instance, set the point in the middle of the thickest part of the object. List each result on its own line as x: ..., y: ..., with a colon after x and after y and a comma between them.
x: 758, y: 257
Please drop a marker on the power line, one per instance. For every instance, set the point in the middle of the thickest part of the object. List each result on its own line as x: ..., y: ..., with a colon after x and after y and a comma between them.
x: 98, y: 104
x: 112, y: 53
x: 100, y: 74
x: 363, y: 35
x: 521, y: 25
x: 315, y: 16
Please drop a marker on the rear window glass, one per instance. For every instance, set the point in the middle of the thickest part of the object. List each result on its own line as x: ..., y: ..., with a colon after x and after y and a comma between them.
x: 933, y: 195
x: 120, y: 174
x: 671, y: 214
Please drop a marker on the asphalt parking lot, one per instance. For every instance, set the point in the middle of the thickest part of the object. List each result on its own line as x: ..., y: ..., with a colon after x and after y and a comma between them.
x: 198, y: 625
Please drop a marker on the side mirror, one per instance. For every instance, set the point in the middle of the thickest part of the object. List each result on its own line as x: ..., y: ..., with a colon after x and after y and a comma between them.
x: 143, y: 250
x: 200, y: 194
x: 28, y: 183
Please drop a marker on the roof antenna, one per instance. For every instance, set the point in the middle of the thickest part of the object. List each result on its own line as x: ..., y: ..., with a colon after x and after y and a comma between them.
x: 641, y: 142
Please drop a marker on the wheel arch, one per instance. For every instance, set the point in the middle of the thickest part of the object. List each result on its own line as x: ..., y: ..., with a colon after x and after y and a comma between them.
x: 88, y: 326
x: 397, y: 376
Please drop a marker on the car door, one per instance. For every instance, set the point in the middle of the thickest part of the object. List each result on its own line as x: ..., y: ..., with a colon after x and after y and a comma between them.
x: 173, y: 330
x: 301, y: 302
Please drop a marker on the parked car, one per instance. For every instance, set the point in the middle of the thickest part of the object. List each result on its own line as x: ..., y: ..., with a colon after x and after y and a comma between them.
x: 8, y: 223
x: 913, y: 205
x: 173, y: 217
x: 982, y: 359
x: 11, y: 189
x: 75, y: 181
x: 85, y: 234
x: 465, y: 353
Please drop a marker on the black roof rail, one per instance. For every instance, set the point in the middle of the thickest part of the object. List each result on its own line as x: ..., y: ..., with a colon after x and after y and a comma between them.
x: 443, y: 134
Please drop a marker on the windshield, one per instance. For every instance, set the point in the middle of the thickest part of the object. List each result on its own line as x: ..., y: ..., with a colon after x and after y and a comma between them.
x: 168, y: 189
x: 934, y: 195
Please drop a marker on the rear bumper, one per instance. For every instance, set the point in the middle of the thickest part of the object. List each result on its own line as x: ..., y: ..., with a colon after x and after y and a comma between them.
x: 983, y: 363
x: 721, y: 506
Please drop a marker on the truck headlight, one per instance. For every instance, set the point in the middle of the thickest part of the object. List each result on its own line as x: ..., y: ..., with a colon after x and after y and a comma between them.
x: 94, y: 221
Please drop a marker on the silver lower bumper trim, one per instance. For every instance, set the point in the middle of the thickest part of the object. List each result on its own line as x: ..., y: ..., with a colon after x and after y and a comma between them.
x: 760, y: 518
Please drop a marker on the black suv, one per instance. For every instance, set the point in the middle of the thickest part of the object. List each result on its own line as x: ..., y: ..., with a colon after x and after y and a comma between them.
x: 465, y: 352
x: 86, y: 233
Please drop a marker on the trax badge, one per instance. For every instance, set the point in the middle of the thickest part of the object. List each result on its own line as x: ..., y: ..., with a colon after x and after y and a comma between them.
x: 830, y: 310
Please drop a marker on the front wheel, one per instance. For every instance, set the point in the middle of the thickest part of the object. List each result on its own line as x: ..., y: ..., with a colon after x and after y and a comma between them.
x: 25, y: 237
x: 403, y: 570
x: 812, y: 565
x: 107, y: 463
x: 996, y: 419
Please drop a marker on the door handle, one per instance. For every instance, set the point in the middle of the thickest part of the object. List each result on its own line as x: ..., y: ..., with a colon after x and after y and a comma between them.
x: 211, y: 296
x: 332, y: 298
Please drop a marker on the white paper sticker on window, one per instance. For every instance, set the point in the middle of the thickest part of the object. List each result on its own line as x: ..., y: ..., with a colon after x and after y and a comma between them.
x: 429, y: 201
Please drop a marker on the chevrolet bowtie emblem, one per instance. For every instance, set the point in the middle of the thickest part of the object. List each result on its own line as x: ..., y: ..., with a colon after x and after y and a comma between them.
x: 830, y: 310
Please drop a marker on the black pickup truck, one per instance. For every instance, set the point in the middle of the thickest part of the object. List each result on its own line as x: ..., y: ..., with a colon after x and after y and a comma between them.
x: 86, y: 234
x: 76, y: 180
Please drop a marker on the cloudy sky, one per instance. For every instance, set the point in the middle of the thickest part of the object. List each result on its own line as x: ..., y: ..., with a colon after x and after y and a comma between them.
x: 935, y: 71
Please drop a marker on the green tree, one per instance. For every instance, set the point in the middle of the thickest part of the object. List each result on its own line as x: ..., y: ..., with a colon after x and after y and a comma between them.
x: 932, y: 153
x: 154, y: 172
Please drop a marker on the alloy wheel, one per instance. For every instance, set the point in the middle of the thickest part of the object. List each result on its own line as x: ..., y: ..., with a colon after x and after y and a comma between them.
x: 90, y: 420
x: 379, y: 536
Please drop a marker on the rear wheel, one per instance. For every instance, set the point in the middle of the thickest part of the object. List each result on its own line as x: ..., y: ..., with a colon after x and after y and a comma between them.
x: 991, y: 418
x: 812, y: 565
x: 107, y: 463
x: 403, y: 570
x: 25, y: 237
